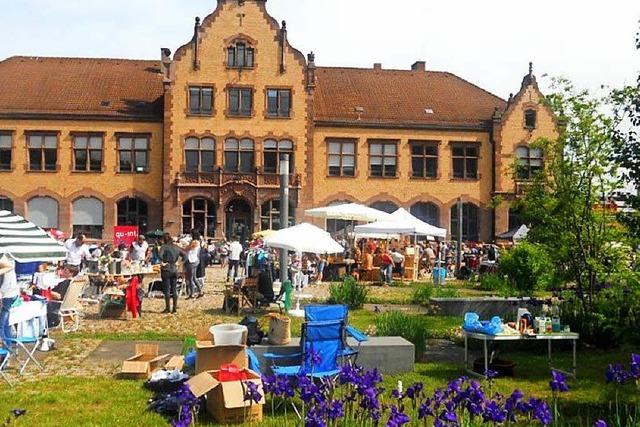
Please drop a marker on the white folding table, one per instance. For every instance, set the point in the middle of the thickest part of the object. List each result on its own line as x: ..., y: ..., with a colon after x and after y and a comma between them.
x: 485, y: 338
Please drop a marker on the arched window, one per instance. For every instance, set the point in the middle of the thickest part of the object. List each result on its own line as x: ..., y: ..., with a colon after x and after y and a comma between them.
x: 133, y: 211
x: 199, y: 214
x: 43, y: 212
x: 199, y: 154
x: 529, y: 162
x: 385, y: 206
x: 87, y: 217
x: 515, y: 218
x: 270, y: 215
x: 272, y: 151
x: 240, y: 55
x: 6, y: 204
x: 470, y: 222
x: 427, y: 212
x: 530, y: 119
x: 239, y: 155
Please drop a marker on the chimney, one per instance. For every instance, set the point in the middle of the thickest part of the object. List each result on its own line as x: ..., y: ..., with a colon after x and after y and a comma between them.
x: 419, y: 66
x: 377, y: 66
x: 165, y: 62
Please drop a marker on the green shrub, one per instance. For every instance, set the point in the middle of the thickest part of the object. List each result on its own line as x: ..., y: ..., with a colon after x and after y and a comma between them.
x: 348, y: 292
x: 528, y: 268
x: 422, y: 294
x: 410, y: 327
x: 496, y: 283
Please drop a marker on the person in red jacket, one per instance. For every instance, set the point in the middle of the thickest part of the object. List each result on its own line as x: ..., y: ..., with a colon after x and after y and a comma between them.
x: 386, y: 268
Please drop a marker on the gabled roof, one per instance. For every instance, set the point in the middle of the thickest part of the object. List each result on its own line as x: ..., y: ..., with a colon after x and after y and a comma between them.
x: 395, y: 98
x: 115, y: 89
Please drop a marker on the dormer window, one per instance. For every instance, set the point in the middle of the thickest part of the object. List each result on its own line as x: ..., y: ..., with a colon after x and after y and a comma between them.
x: 240, y: 55
x: 530, y: 118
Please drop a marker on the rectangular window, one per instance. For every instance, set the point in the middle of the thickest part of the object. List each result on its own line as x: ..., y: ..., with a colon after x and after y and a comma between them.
x: 6, y: 145
x: 200, y: 154
x: 424, y: 159
x: 278, y: 102
x: 240, y: 56
x: 383, y: 158
x: 133, y: 153
x: 240, y: 102
x: 272, y: 152
x: 465, y: 161
x: 200, y: 100
x: 341, y: 157
x: 43, y: 151
x: 87, y: 152
x: 239, y: 155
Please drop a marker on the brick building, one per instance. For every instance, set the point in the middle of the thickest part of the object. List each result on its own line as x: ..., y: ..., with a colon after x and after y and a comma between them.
x: 193, y: 140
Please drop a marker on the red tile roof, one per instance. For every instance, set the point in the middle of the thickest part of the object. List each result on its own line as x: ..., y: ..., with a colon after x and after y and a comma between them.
x: 400, y: 99
x: 118, y: 89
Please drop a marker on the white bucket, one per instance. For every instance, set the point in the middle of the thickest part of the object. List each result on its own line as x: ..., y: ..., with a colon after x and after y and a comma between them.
x: 228, y: 334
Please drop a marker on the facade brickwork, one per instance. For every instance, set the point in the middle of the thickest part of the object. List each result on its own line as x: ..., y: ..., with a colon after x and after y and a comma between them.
x: 326, y: 104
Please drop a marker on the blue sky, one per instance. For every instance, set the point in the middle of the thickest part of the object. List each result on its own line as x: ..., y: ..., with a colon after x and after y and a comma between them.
x: 488, y: 42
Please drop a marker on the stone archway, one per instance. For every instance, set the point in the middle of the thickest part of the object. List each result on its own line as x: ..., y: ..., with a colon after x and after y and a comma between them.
x: 238, y: 215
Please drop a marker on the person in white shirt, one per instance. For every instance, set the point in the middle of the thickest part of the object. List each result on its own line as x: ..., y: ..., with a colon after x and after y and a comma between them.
x: 139, y: 249
x: 9, y: 290
x: 190, y: 268
x: 398, y: 261
x: 235, y: 250
x: 77, y: 251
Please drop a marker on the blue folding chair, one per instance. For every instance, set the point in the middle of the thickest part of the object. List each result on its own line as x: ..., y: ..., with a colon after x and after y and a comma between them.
x: 314, y: 313
x: 322, y: 339
x: 26, y: 334
x: 6, y: 356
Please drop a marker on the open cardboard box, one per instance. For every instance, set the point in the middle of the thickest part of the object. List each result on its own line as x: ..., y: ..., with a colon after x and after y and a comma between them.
x: 225, y: 400
x: 210, y: 357
x: 145, y: 361
x: 176, y: 362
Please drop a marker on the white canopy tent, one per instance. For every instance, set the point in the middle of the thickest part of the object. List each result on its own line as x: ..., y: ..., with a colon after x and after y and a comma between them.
x: 401, y: 222
x: 349, y: 212
x: 304, y: 237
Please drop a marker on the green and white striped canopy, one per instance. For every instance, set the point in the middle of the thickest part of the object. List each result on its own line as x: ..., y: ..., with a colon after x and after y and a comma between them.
x: 26, y: 242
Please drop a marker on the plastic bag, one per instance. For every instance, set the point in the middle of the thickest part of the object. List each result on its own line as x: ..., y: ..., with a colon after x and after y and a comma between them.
x: 472, y: 323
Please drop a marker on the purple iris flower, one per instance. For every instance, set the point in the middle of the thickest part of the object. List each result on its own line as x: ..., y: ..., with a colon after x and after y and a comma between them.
x: 489, y: 374
x: 494, y: 413
x: 424, y: 410
x: 635, y: 366
x: 397, y: 417
x: 558, y: 382
x: 314, y: 358
x: 600, y: 423
x: 616, y: 373
x: 335, y: 410
x: 540, y: 411
x: 252, y: 394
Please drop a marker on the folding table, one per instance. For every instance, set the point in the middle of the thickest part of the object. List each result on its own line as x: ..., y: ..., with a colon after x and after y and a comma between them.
x: 485, y: 338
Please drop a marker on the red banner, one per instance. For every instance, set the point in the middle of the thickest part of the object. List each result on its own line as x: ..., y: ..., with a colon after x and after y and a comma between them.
x: 124, y: 234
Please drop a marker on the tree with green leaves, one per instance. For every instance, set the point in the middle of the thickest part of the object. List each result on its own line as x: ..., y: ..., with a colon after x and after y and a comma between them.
x: 564, y: 203
x: 626, y: 103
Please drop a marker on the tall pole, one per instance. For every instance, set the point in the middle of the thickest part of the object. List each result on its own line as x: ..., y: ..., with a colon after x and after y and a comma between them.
x: 459, y: 243
x: 284, y: 212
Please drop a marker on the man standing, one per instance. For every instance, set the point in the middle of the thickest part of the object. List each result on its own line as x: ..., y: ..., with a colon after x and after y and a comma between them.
x: 139, y: 249
x: 169, y: 254
x: 77, y: 251
x: 9, y: 290
x: 235, y: 251
x: 386, y: 268
x: 398, y: 262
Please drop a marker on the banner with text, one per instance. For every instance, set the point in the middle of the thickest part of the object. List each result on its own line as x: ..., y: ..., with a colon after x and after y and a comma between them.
x: 124, y: 234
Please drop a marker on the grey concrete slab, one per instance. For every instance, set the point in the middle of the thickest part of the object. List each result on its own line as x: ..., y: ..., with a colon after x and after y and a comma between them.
x: 390, y: 355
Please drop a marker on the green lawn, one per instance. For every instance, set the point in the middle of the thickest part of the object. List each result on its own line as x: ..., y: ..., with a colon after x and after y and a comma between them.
x: 103, y: 401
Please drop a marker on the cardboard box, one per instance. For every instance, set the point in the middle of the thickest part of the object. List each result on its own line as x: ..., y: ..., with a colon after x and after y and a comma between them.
x: 176, y: 362
x: 225, y: 400
x: 209, y: 356
x: 145, y: 361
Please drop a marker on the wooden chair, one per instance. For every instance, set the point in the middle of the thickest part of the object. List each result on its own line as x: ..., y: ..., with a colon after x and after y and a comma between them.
x: 244, y: 293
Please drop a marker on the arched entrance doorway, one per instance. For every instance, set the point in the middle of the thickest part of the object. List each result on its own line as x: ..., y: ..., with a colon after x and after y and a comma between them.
x: 238, y: 220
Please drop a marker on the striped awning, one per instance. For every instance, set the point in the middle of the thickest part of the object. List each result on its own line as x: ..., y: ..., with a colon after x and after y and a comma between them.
x: 26, y: 242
